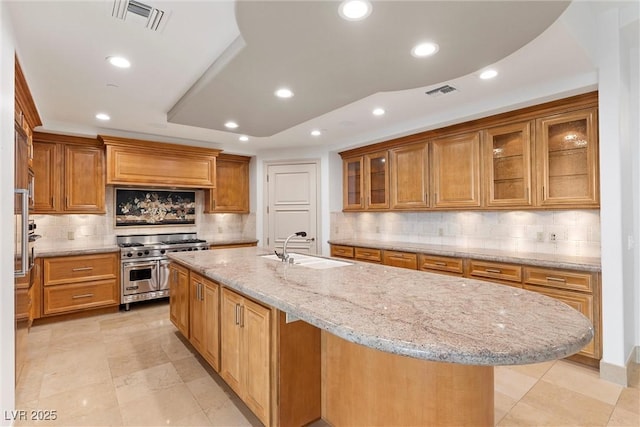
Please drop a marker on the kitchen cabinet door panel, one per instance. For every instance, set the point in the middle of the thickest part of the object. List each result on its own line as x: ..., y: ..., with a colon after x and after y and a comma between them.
x: 257, y: 327
x: 353, y: 191
x: 84, y: 179
x: 567, y: 156
x: 456, y: 171
x: 231, y: 338
x: 410, y: 177
x: 46, y: 164
x: 232, y: 186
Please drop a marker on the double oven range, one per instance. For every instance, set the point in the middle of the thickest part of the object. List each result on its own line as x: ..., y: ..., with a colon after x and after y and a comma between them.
x: 145, y: 266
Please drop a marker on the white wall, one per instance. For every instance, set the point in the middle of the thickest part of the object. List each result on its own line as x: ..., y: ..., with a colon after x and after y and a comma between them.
x: 7, y: 354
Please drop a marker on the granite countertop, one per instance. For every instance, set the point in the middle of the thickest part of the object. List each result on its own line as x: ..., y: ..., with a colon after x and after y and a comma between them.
x: 529, y: 258
x: 413, y: 313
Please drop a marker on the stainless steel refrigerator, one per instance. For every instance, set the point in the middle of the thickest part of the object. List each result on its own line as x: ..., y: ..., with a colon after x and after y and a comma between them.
x: 24, y: 238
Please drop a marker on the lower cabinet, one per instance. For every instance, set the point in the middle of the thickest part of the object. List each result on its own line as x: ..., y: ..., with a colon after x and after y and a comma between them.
x: 179, y: 298
x: 77, y: 283
x: 274, y: 365
x: 400, y: 259
x: 204, y: 299
x: 507, y: 274
x: 245, y: 360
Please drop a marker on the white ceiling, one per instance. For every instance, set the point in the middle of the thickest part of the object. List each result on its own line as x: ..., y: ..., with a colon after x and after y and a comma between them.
x: 192, y: 71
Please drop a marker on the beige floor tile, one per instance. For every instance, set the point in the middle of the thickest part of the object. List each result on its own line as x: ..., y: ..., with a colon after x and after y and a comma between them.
x: 176, y: 348
x: 131, y: 387
x: 512, y: 383
x: 523, y: 414
x: 137, y: 360
x: 623, y: 418
x: 198, y: 419
x: 583, y: 380
x: 502, y: 405
x: 69, y: 377
x: 228, y: 414
x: 568, y: 404
x: 208, y: 392
x: 75, y: 342
x: 191, y: 368
x: 630, y: 400
x: 104, y: 417
x: 164, y: 407
x: 82, y: 402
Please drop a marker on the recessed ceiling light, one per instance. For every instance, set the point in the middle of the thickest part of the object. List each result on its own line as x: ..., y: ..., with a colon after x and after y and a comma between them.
x: 316, y: 132
x: 488, y: 74
x: 103, y: 116
x: 354, y: 10
x: 284, y: 93
x: 424, y: 49
x: 244, y: 138
x: 378, y: 112
x: 231, y: 125
x: 119, y: 61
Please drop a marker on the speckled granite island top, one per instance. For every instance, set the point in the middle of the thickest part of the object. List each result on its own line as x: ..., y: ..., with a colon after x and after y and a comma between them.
x: 529, y: 258
x: 417, y: 314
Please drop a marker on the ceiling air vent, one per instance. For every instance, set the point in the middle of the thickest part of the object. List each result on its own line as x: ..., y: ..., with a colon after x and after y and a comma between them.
x: 138, y: 12
x: 442, y: 90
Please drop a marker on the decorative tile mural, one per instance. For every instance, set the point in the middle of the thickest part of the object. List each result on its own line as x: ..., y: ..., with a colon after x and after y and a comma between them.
x: 139, y: 207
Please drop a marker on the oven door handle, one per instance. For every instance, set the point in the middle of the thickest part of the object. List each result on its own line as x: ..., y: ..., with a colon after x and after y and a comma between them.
x: 137, y: 266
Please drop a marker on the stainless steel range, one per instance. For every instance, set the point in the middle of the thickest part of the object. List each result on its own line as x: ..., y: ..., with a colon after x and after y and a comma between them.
x: 145, y: 266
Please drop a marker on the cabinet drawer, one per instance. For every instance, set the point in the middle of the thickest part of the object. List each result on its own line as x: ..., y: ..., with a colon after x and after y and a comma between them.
x: 580, y: 302
x: 342, y: 251
x: 561, y: 279
x: 495, y: 270
x: 440, y: 264
x: 366, y: 254
x: 60, y: 270
x: 401, y: 259
x: 78, y: 296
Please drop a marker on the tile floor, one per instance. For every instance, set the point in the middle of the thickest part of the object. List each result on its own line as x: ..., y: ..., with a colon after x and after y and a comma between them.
x: 133, y: 369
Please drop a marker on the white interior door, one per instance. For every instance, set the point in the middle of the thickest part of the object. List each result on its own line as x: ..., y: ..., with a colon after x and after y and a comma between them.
x: 292, y: 206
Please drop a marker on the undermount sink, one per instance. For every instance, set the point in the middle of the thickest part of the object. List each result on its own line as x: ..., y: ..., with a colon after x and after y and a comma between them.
x: 310, y: 261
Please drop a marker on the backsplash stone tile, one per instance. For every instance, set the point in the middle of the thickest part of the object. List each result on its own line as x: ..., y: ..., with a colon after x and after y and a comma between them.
x: 577, y: 231
x: 101, y: 228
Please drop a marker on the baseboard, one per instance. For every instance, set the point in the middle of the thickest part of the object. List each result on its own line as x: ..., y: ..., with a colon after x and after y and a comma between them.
x: 620, y: 374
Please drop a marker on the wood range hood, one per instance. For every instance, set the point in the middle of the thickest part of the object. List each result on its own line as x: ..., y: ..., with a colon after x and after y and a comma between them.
x: 135, y: 162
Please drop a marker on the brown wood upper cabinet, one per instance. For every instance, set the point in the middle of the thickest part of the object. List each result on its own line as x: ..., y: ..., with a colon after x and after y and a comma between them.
x: 487, y: 163
x: 410, y: 176
x: 507, y: 156
x: 568, y: 159
x: 232, y: 186
x: 68, y: 174
x: 456, y: 171
x: 136, y: 162
x: 366, y: 183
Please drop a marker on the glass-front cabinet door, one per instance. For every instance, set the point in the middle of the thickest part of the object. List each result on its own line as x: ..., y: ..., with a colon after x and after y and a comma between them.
x: 568, y: 156
x: 353, y: 183
x: 377, y: 184
x: 507, y: 153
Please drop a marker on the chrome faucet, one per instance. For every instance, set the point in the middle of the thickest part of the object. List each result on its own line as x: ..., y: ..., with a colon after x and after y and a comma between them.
x: 284, y: 256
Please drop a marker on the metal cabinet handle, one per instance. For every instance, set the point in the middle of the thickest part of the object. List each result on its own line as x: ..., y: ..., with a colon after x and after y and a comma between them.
x: 82, y: 296
x: 493, y: 270
x: 242, y: 316
x: 82, y: 269
x: 556, y: 279
x: 440, y: 263
x: 237, y: 314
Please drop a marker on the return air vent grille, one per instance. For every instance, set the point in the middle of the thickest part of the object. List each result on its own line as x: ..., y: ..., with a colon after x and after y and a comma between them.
x: 442, y: 90
x: 138, y: 12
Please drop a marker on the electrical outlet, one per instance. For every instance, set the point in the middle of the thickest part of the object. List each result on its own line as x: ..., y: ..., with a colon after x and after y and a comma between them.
x: 337, y: 230
x: 220, y: 230
x: 553, y: 237
x: 377, y: 229
x: 540, y: 236
x: 71, y: 235
x: 440, y: 231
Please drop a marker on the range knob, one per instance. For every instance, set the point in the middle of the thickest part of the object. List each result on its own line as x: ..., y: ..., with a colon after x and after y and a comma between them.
x: 162, y: 251
x: 146, y: 252
x: 139, y: 253
x: 129, y: 254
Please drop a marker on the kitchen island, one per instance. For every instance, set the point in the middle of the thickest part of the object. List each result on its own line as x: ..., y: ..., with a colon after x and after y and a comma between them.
x: 398, y: 346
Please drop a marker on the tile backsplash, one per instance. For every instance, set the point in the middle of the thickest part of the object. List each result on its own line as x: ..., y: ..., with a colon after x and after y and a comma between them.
x: 101, y: 228
x: 576, y: 232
